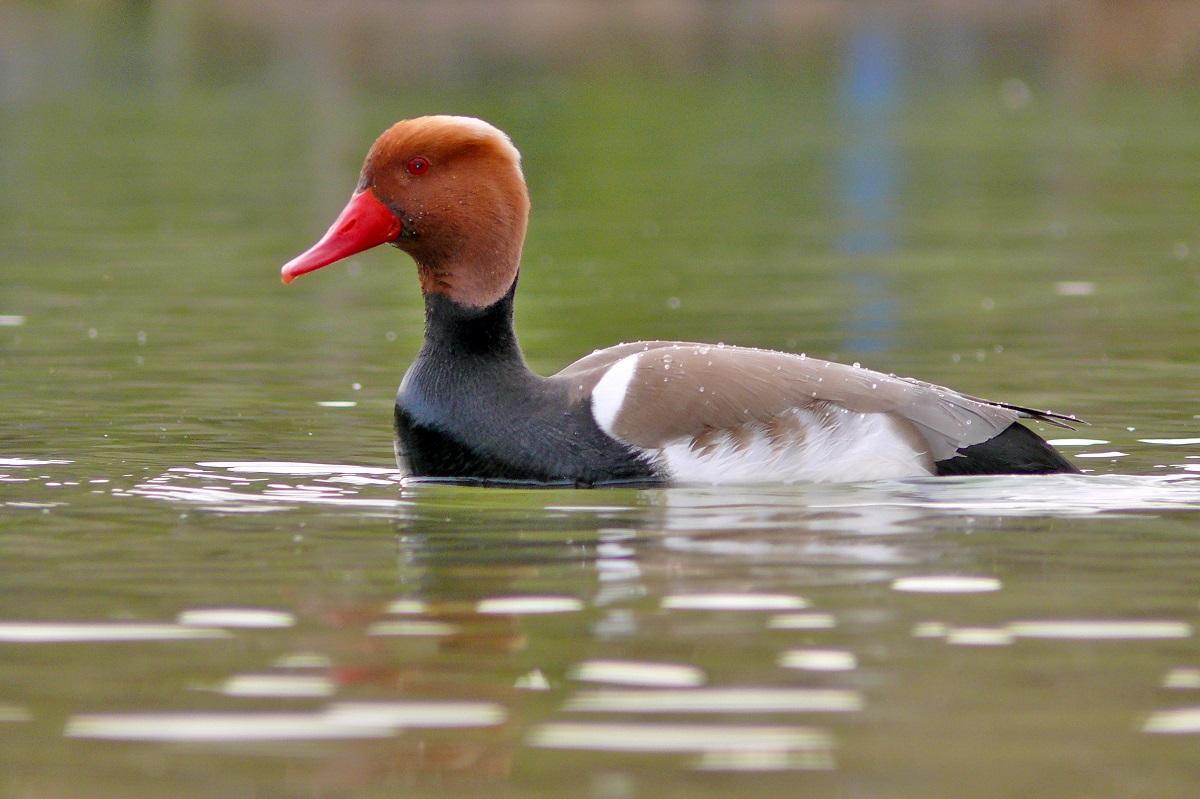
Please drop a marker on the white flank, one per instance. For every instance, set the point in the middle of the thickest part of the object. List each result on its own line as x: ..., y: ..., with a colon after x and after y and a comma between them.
x: 857, y: 446
x: 609, y: 393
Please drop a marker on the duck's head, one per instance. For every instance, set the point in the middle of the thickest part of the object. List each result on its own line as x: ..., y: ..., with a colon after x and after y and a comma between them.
x: 448, y: 191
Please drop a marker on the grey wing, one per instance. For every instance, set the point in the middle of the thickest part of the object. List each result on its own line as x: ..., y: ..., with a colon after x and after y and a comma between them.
x: 678, y: 389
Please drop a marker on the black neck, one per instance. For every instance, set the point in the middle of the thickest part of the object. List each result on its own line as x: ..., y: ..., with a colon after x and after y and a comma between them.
x: 457, y: 331
x: 469, y: 408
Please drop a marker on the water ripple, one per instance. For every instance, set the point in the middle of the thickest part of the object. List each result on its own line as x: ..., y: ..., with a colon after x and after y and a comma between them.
x: 237, y: 617
x: 89, y: 632
x: 231, y: 486
x: 626, y: 672
x: 876, y: 508
x: 716, y: 700
x: 614, y: 737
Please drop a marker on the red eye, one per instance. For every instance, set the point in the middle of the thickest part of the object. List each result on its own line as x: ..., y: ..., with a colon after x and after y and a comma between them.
x: 417, y: 166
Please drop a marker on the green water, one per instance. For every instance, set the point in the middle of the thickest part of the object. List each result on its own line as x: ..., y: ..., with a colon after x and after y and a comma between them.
x: 163, y: 426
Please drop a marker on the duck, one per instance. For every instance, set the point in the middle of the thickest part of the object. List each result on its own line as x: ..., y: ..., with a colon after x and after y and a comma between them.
x: 449, y: 191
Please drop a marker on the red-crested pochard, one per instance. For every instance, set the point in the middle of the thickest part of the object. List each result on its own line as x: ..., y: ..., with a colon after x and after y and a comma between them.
x: 449, y: 191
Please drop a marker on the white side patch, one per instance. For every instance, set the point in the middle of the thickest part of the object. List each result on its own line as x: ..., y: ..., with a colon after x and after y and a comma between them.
x: 609, y: 393
x: 857, y: 446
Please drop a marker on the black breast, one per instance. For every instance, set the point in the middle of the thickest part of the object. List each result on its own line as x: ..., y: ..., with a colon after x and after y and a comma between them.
x: 470, y: 410
x: 524, y: 436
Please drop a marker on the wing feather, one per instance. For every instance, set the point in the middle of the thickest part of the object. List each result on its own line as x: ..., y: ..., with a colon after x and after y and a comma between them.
x: 686, y: 390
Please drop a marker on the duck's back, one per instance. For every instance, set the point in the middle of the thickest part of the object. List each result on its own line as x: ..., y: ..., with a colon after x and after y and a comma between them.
x: 711, y: 413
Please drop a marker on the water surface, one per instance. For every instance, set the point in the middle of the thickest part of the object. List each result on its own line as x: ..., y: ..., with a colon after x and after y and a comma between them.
x: 216, y: 584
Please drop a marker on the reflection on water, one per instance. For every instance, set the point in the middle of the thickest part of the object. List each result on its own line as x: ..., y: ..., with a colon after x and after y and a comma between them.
x: 520, y: 605
x: 802, y: 621
x: 818, y: 659
x: 471, y: 641
x: 1055, y: 629
x: 869, y: 508
x: 711, y: 627
x: 950, y: 584
x: 216, y: 485
x: 677, y: 738
x: 221, y: 727
x: 1184, y: 721
x: 60, y: 632
x: 715, y: 700
x: 1183, y: 677
x: 277, y: 685
x: 662, y: 675
x: 978, y: 636
x: 732, y: 602
x: 1100, y: 630
x: 237, y: 617
x: 411, y: 627
x: 401, y: 715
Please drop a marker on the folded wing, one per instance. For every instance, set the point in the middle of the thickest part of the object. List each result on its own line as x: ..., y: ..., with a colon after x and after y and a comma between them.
x: 648, y: 394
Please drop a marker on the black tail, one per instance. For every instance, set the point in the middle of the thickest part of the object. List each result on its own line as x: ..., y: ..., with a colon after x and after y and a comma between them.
x: 1017, y: 450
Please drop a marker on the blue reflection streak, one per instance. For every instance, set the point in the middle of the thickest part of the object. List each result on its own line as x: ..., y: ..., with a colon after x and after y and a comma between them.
x: 868, y: 177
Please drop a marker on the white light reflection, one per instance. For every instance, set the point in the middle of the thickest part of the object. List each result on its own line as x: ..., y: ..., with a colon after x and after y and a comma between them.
x: 946, y: 584
x: 214, y: 727
x: 1101, y: 630
x: 277, y: 685
x: 1067, y: 630
x: 338, y: 721
x: 295, y: 468
x: 1075, y: 288
x: 418, y: 714
x: 629, y: 672
x: 532, y: 681
x: 590, y: 508
x: 1030, y: 495
x: 11, y: 714
x: 274, y: 499
x: 884, y: 507
x: 522, y: 605
x: 733, y: 602
x: 877, y: 508
x: 84, y: 632
x: 802, y: 621
x: 303, y: 660
x: 764, y: 760
x: 1182, y: 678
x: 930, y: 629
x: 818, y: 660
x: 412, y: 627
x: 615, y: 737
x: 357, y: 480
x: 979, y: 636
x: 1180, y: 721
x: 717, y: 700
x: 258, y: 618
x: 401, y: 606
x: 337, y: 484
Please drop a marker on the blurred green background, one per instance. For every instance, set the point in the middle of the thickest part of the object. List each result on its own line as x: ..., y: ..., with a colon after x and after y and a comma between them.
x: 998, y: 198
